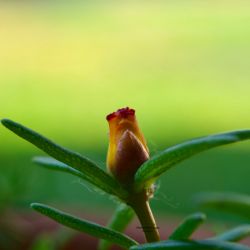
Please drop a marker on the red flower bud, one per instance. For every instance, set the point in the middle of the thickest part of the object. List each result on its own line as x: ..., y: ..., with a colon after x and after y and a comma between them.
x: 127, y: 146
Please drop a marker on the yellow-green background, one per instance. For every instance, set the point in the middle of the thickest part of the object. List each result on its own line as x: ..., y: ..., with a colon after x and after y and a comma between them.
x: 183, y: 65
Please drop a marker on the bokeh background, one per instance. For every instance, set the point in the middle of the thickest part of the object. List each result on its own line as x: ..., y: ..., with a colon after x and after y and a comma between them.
x: 183, y: 65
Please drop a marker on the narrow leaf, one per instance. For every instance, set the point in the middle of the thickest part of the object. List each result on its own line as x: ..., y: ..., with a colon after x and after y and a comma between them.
x: 238, y: 204
x: 191, y: 245
x: 188, y: 226
x: 92, y: 173
x: 120, y: 220
x: 235, y: 234
x: 55, y: 165
x: 85, y: 226
x: 163, y: 161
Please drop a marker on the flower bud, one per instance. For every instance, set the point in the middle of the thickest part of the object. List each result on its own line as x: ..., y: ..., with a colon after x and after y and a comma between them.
x: 127, y: 146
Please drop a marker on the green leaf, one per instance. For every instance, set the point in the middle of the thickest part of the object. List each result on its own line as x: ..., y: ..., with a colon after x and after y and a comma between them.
x: 91, y: 172
x: 121, y: 218
x: 238, y: 204
x: 188, y: 226
x: 85, y: 226
x: 235, y: 234
x: 163, y: 161
x: 191, y: 245
x: 55, y: 165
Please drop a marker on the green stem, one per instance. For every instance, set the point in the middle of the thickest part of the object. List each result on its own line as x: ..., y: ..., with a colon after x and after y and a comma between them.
x: 143, y: 211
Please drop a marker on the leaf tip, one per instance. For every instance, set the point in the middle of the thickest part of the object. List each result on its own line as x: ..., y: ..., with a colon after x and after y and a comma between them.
x: 5, y: 121
x: 35, y: 159
x: 200, y: 216
x: 36, y: 206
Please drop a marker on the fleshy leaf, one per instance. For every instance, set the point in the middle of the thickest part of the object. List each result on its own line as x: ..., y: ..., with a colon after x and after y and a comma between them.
x: 55, y: 165
x: 235, y: 234
x: 188, y: 226
x: 120, y: 220
x: 85, y: 226
x: 91, y: 172
x: 191, y: 245
x: 238, y: 204
x: 163, y: 161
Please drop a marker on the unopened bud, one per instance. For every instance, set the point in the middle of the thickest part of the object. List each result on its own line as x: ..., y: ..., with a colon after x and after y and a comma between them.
x: 127, y: 146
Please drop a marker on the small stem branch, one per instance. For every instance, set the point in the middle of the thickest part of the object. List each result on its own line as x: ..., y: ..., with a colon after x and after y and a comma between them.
x: 142, y: 209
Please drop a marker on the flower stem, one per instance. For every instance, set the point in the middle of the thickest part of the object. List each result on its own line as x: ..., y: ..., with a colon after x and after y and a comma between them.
x: 143, y: 211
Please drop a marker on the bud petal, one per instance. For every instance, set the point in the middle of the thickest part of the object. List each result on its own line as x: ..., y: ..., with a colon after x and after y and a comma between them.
x: 127, y: 146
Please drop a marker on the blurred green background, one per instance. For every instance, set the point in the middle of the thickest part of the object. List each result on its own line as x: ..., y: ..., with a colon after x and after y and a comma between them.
x: 183, y: 65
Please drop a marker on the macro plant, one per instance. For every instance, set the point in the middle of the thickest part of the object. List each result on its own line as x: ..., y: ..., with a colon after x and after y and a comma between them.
x: 131, y: 178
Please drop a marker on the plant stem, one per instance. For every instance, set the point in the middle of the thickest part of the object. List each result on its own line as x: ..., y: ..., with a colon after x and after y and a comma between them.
x: 143, y: 211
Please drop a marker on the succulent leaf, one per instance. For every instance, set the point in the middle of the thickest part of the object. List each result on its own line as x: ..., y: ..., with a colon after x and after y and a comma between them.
x: 191, y: 245
x: 235, y: 234
x: 188, y: 226
x: 168, y: 158
x: 85, y: 226
x: 91, y: 172
x: 119, y: 221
